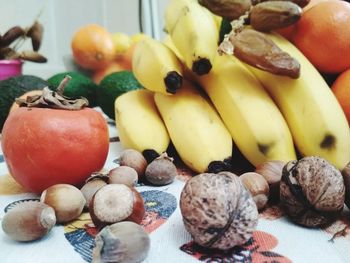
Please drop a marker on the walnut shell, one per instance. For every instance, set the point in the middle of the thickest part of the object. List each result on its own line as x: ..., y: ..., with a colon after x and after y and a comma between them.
x: 218, y: 211
x: 312, y: 191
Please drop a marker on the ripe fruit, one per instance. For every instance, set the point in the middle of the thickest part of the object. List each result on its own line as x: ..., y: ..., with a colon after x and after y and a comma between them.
x: 93, y: 47
x: 98, y: 75
x: 43, y: 147
x: 122, y: 42
x: 323, y: 35
x: 341, y: 89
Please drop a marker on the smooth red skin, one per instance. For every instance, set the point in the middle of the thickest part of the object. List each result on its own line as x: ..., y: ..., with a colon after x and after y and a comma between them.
x: 43, y: 147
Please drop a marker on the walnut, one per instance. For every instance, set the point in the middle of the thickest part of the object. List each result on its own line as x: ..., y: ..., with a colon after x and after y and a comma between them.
x: 346, y: 176
x: 312, y: 191
x: 218, y: 211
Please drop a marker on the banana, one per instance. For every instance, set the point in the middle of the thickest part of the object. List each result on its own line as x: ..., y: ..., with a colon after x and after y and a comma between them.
x: 157, y: 67
x: 194, y: 32
x: 139, y: 124
x: 195, y: 128
x: 254, y: 121
x: 314, y: 116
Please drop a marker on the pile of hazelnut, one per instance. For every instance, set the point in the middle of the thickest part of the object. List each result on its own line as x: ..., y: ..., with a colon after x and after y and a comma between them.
x: 115, y: 206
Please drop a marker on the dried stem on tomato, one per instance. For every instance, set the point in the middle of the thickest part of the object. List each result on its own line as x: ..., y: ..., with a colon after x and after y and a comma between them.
x: 54, y: 100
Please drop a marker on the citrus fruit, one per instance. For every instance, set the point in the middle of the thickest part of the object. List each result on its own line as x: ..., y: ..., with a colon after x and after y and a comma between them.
x: 92, y: 47
x: 323, y: 35
x: 138, y: 37
x: 98, y: 75
x: 341, y: 89
x: 121, y: 42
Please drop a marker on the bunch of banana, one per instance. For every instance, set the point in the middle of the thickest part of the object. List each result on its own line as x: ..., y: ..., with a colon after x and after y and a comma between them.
x: 157, y: 67
x: 196, y: 130
x: 195, y: 34
x: 138, y: 122
x: 314, y: 116
x: 254, y: 121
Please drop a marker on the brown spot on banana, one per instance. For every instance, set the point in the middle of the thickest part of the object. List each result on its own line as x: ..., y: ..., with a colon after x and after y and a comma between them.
x: 328, y: 142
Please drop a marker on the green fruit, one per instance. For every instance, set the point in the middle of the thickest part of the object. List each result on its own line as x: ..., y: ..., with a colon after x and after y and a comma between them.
x: 114, y: 85
x: 14, y: 87
x: 78, y: 86
x: 225, y: 28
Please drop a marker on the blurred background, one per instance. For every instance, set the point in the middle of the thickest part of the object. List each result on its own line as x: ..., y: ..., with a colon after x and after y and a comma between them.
x: 62, y: 18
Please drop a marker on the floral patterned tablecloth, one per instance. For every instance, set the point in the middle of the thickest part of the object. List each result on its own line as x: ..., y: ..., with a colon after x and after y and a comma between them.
x: 275, y: 240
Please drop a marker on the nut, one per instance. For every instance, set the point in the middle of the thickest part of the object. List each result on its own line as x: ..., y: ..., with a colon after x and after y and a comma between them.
x: 230, y: 9
x: 92, y: 185
x: 258, y: 188
x: 161, y: 171
x: 133, y: 159
x: 125, y: 242
x: 255, y: 49
x: 67, y: 201
x: 28, y: 221
x: 312, y: 191
x: 272, y: 172
x: 114, y: 203
x: 272, y: 15
x: 123, y: 175
x: 346, y: 176
x: 217, y: 210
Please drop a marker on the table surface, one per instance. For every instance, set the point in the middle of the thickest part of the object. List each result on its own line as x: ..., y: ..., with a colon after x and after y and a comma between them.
x: 275, y: 240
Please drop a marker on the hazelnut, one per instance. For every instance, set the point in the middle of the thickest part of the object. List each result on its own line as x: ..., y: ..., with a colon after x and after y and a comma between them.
x: 161, y: 171
x: 123, y: 175
x: 133, y: 159
x: 67, y: 201
x: 272, y: 172
x: 218, y: 211
x: 312, y: 191
x: 28, y: 221
x: 258, y: 188
x: 114, y: 203
x: 346, y: 176
x: 92, y: 185
x: 121, y: 242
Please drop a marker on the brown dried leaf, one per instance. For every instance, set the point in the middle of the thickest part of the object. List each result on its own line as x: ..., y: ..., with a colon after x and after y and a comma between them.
x: 273, y: 15
x: 35, y: 32
x: 230, y: 9
x: 255, y: 49
x: 32, y: 56
x: 11, y: 35
x: 8, y: 53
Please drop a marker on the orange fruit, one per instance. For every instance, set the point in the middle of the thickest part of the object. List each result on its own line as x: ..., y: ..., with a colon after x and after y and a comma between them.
x: 323, y: 35
x: 341, y: 90
x: 93, y: 47
x: 98, y: 75
x: 289, y: 31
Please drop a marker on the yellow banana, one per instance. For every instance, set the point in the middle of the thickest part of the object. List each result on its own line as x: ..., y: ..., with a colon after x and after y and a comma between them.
x: 314, y: 116
x: 139, y: 124
x: 254, y: 121
x: 195, y: 128
x: 193, y: 29
x: 157, y: 67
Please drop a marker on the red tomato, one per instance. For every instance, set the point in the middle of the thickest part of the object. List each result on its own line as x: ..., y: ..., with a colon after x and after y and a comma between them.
x: 43, y: 147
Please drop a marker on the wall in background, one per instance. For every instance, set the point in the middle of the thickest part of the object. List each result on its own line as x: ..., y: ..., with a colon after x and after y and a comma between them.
x: 61, y: 19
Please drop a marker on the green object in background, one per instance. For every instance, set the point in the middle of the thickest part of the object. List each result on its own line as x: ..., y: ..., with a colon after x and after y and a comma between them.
x: 14, y: 87
x: 78, y: 86
x: 225, y: 28
x: 112, y: 86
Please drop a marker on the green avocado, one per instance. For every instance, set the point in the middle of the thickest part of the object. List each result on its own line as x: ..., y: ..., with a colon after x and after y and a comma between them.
x: 14, y: 87
x: 78, y: 86
x: 112, y: 86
